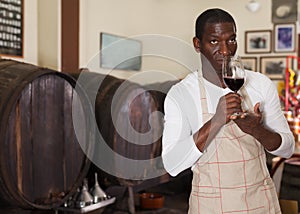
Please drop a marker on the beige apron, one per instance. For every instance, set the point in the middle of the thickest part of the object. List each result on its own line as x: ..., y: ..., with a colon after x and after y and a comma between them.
x: 231, y: 176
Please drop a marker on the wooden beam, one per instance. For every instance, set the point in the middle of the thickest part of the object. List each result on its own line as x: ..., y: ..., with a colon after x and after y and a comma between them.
x: 70, y: 36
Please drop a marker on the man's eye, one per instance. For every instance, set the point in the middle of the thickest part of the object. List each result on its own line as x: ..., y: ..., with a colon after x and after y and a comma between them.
x: 232, y: 41
x: 214, y: 42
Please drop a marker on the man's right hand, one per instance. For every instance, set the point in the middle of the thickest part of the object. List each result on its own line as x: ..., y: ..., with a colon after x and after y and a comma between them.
x: 227, y: 106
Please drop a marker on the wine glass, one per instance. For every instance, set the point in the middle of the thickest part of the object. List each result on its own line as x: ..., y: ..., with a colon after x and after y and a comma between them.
x: 233, y: 74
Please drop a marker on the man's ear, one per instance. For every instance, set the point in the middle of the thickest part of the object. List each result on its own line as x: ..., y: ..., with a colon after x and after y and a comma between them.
x: 196, y: 43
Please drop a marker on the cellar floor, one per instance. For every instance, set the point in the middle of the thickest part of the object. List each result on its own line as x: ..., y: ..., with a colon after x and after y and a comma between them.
x: 176, y: 195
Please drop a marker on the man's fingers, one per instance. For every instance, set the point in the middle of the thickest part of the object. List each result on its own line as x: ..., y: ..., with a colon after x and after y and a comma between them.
x: 233, y: 117
x: 256, y: 108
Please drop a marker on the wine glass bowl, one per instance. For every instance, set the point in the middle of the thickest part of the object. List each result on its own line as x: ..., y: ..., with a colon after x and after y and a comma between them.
x: 233, y: 73
x: 234, y: 77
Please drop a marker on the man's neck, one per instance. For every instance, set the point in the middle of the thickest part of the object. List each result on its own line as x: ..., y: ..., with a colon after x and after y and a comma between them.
x: 213, y: 76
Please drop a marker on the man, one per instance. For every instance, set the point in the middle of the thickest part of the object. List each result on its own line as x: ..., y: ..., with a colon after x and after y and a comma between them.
x: 225, y: 153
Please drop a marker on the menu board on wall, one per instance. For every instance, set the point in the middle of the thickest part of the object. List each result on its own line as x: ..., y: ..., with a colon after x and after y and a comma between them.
x: 11, y: 27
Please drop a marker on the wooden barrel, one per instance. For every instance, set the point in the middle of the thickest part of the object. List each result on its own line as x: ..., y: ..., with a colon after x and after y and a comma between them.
x: 135, y: 103
x: 138, y: 111
x: 290, y: 181
x: 41, y: 161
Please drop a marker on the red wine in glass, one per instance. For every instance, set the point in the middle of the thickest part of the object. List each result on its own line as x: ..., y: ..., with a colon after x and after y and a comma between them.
x: 233, y: 72
x: 234, y: 83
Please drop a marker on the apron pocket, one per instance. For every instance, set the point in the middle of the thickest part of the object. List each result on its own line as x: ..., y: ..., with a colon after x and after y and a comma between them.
x: 205, y: 200
x: 271, y: 199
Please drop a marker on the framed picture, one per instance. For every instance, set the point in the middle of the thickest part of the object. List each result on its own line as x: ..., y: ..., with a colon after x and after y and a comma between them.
x: 118, y: 52
x: 258, y: 41
x: 284, y: 11
x: 250, y: 63
x: 273, y: 66
x: 284, y: 37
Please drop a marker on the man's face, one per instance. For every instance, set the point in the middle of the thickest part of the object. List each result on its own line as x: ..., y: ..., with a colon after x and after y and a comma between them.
x: 219, y: 40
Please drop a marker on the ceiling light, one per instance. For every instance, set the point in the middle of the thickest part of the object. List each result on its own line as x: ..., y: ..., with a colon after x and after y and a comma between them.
x: 253, y: 6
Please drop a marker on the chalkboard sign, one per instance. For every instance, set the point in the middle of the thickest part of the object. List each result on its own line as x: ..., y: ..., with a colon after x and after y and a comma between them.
x: 11, y: 27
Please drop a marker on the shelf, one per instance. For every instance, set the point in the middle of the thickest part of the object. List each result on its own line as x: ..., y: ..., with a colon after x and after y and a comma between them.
x: 89, y: 208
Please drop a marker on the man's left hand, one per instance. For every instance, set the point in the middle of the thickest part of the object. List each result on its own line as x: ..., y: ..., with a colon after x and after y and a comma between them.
x: 250, y: 120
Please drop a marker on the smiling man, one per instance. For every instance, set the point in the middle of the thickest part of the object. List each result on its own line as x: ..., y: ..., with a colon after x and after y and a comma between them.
x: 226, y: 154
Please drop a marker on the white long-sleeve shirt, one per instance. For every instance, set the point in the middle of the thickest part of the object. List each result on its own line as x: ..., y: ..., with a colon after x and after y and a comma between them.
x: 183, y: 117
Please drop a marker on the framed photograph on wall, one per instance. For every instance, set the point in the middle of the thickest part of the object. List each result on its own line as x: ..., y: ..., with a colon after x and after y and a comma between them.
x: 284, y: 37
x: 118, y: 52
x: 250, y: 63
x: 284, y: 11
x: 258, y: 41
x: 273, y: 66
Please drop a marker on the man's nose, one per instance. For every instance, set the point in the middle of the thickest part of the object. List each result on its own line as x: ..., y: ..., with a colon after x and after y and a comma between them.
x: 224, y: 50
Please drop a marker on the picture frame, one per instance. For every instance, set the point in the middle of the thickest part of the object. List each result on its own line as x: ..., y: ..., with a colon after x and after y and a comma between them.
x: 250, y: 63
x: 284, y: 11
x: 119, y: 52
x: 284, y: 37
x: 258, y: 41
x: 273, y: 66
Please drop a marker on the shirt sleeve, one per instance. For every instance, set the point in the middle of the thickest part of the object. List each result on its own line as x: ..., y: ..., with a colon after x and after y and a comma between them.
x: 179, y: 151
x: 275, y: 120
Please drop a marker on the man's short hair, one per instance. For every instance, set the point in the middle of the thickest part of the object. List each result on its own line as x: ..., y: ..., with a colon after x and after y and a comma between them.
x: 214, y: 15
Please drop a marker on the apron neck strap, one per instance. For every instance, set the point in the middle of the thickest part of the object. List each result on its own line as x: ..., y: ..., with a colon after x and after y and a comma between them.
x: 203, y: 100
